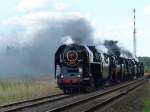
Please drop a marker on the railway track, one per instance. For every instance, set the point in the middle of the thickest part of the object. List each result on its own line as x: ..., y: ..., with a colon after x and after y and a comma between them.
x: 77, y: 103
x: 97, y: 100
x: 32, y: 102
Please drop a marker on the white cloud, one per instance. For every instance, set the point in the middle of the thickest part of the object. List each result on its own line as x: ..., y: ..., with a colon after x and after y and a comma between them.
x: 45, y: 15
x: 31, y: 5
x: 59, y: 6
x: 147, y: 10
x: 41, y: 5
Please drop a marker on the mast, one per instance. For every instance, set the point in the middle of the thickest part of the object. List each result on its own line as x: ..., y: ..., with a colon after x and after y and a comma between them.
x: 134, y: 35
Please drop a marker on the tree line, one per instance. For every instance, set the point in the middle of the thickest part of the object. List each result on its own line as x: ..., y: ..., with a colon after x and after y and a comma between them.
x: 146, y: 62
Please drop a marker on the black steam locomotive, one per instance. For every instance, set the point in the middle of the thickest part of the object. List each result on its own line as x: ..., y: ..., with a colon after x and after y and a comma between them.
x: 83, y: 67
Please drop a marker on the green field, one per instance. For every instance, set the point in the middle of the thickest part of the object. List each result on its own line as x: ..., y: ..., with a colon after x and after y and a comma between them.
x: 147, y: 105
x: 18, y: 90
x: 146, y: 99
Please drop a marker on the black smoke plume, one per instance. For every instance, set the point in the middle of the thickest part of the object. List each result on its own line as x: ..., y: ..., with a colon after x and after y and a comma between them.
x: 114, y: 49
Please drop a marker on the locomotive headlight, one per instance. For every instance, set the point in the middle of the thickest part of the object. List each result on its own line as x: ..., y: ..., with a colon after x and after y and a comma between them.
x: 62, y: 76
x: 80, y: 70
x: 79, y: 75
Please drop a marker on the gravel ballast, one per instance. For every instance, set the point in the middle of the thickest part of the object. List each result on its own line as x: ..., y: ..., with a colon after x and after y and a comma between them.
x: 132, y: 102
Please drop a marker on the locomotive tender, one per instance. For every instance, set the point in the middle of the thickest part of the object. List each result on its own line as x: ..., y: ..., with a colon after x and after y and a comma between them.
x: 84, y: 67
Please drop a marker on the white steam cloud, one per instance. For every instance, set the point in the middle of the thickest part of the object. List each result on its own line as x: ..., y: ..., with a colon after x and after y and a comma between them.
x: 31, y: 41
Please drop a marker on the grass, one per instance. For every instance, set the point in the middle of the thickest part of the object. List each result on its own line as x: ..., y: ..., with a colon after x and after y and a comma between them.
x: 146, y: 99
x: 18, y: 90
x: 146, y: 105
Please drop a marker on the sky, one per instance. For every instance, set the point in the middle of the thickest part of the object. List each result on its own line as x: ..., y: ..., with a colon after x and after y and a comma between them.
x: 110, y: 19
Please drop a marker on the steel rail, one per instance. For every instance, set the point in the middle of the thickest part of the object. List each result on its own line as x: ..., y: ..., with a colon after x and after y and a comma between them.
x: 33, y: 102
x: 98, y: 94
x: 107, y: 101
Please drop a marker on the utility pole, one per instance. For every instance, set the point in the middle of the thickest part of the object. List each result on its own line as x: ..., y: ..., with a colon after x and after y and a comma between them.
x: 134, y: 36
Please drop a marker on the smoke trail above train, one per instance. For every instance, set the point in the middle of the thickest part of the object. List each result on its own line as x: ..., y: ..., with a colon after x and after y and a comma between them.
x: 45, y: 32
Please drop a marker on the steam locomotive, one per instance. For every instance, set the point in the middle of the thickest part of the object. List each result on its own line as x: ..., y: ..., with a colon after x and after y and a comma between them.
x: 84, y: 67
